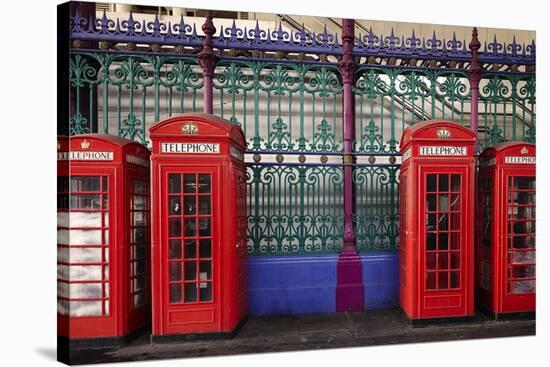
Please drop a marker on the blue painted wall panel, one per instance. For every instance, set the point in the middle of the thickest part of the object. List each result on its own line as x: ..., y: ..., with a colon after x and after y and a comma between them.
x: 380, y: 279
x: 286, y: 285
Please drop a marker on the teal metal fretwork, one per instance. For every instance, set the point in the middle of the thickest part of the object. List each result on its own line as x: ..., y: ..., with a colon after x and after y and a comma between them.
x: 324, y: 139
x: 296, y: 107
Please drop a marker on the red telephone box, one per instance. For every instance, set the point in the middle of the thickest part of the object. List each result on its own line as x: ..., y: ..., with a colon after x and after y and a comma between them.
x: 103, y: 238
x: 506, y: 251
x: 437, y: 221
x: 199, y: 227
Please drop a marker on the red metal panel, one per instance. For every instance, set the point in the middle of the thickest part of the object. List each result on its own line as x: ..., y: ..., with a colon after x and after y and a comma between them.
x: 437, y: 199
x: 508, y: 256
x: 200, y: 146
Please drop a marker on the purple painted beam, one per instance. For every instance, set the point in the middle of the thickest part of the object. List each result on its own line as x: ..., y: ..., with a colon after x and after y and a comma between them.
x: 208, y: 59
x: 474, y: 74
x: 349, y: 287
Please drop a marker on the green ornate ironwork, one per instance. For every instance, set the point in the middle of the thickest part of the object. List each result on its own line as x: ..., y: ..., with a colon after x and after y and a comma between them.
x: 281, y: 106
x: 295, y: 108
x: 507, y: 108
x: 377, y: 205
x: 294, y: 209
x: 131, y: 91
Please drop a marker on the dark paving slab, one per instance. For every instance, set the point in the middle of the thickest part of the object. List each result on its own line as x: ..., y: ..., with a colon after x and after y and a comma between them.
x: 307, y: 332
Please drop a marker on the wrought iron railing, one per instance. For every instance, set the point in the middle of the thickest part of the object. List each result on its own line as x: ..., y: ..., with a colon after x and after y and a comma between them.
x: 285, y: 90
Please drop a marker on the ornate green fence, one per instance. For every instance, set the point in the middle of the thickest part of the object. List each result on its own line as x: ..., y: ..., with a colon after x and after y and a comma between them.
x: 291, y: 113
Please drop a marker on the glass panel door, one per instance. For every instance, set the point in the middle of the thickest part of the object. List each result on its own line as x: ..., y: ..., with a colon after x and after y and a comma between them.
x: 521, y: 259
x: 83, y: 246
x: 190, y: 263
x: 139, y: 243
x: 443, y: 243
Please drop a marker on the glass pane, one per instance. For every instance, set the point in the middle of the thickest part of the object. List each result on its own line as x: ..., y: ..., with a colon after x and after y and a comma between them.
x: 442, y: 222
x: 524, y: 183
x: 204, y: 226
x: 174, y: 227
x: 85, y: 290
x: 523, y: 242
x: 85, y: 201
x: 525, y: 212
x: 455, y: 260
x: 431, y: 260
x: 190, y: 270
x: 84, y: 220
x: 85, y: 237
x: 204, y: 183
x: 443, y: 260
x: 139, y: 203
x: 140, y: 187
x: 455, y: 240
x: 85, y: 308
x: 191, y: 292
x: 455, y: 202
x: 430, y: 241
x: 443, y: 205
x: 190, y: 227
x: 430, y: 280
x: 190, y: 183
x: 175, y: 293
x: 431, y: 222
x: 431, y: 202
x: 455, y: 279
x: 524, y: 257
x: 175, y: 249
x: 174, y: 183
x: 443, y: 241
x: 174, y: 205
x: 455, y: 183
x: 455, y: 221
x: 204, y: 204
x: 443, y: 278
x: 85, y: 272
x: 139, y: 234
x: 205, y: 269
x: 190, y: 249
x: 139, y: 299
x: 79, y: 255
x: 523, y: 271
x: 139, y: 219
x: 175, y: 270
x: 205, y: 249
x: 431, y: 183
x: 85, y: 183
x: 523, y: 286
x: 205, y: 291
x: 443, y: 183
x: 190, y: 205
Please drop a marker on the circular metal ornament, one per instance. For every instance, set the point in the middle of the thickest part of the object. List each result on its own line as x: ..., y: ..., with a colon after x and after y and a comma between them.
x: 256, y: 158
x: 324, y: 159
x: 393, y: 159
x: 301, y: 158
x: 372, y: 159
x: 279, y: 158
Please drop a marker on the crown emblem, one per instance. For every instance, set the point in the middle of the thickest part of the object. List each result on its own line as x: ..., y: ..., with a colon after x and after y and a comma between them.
x: 189, y: 129
x: 524, y: 150
x: 443, y: 133
x: 85, y: 144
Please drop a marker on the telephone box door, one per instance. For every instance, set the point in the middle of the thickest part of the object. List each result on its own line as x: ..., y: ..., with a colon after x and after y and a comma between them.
x: 444, y: 250
x: 190, y: 249
x: 519, y: 257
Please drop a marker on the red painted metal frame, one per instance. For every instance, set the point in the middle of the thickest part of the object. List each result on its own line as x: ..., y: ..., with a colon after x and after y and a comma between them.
x: 492, y: 261
x: 416, y: 300
x: 229, y: 304
x: 122, y: 318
